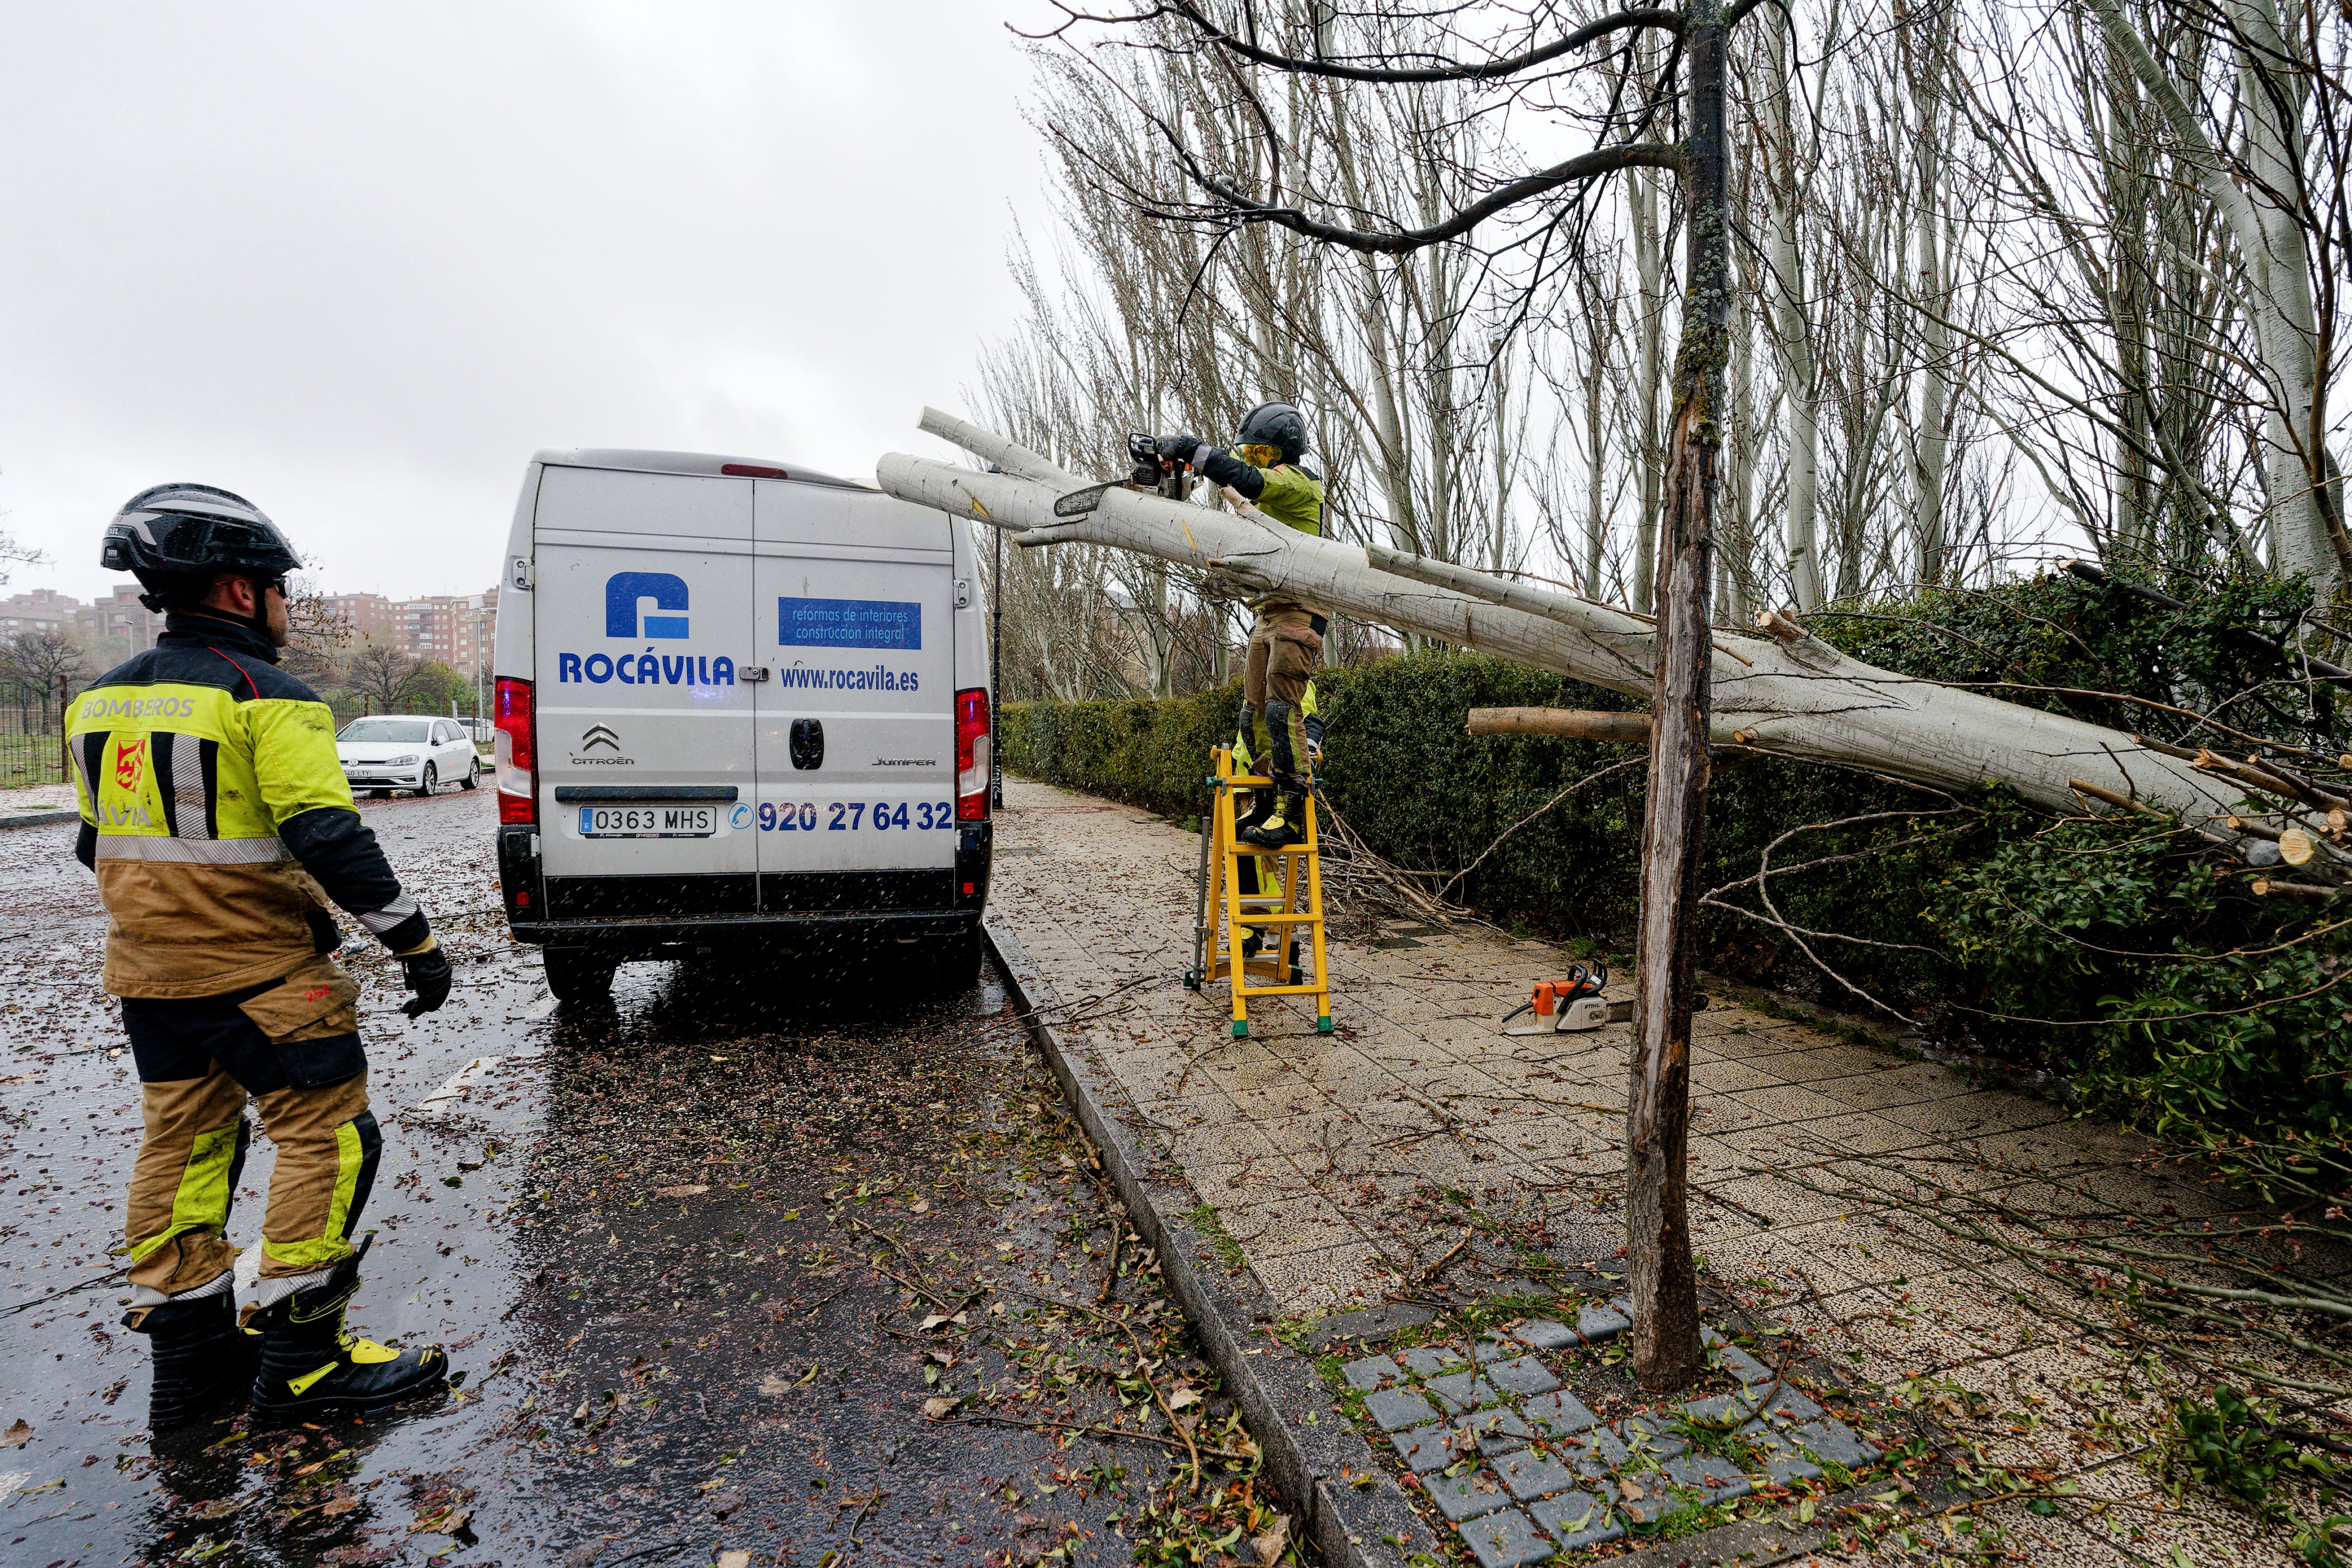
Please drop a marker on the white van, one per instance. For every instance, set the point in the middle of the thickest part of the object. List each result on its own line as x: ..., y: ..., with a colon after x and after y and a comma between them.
x: 740, y: 706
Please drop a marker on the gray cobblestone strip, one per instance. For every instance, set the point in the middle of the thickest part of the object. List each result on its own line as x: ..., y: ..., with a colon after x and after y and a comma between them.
x: 1513, y: 1503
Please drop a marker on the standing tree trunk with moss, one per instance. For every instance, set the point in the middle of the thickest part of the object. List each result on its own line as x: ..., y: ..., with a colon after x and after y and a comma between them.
x: 1660, y: 1274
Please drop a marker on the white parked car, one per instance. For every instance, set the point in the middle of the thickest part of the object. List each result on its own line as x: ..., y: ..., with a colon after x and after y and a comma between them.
x: 385, y: 752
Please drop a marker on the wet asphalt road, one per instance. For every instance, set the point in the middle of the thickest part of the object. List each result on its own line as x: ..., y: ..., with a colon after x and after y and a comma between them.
x: 682, y: 1254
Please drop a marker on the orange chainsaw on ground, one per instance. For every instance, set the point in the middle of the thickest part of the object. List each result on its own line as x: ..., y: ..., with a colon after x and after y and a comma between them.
x: 1570, y: 1006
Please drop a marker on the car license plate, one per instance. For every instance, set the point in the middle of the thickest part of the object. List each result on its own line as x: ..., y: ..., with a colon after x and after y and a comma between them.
x: 648, y: 821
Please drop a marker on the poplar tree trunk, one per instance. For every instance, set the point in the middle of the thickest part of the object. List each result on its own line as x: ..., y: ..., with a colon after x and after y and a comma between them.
x: 2305, y: 534
x: 1792, y: 329
x: 1649, y: 268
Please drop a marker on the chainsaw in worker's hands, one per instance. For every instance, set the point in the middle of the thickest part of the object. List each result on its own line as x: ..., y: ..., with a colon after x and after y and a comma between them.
x: 1159, y: 475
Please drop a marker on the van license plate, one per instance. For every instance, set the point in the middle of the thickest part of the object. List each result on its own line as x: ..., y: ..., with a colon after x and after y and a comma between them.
x: 648, y: 821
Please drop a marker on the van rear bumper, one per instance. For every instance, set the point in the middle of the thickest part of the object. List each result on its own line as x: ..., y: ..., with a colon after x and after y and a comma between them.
x: 644, y: 915
x: 650, y: 936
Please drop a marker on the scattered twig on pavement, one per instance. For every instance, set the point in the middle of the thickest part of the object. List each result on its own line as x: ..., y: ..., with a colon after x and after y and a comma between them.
x: 933, y: 1297
x: 28, y: 1306
x: 1117, y: 1232
x: 1823, y: 1306
x: 878, y: 1495
x: 1438, y: 1267
x: 650, y: 1551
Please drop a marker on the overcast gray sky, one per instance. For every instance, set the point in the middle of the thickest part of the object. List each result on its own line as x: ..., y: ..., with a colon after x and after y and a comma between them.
x: 357, y: 263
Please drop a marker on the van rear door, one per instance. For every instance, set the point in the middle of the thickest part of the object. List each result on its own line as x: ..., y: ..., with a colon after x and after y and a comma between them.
x: 855, y: 753
x: 643, y: 621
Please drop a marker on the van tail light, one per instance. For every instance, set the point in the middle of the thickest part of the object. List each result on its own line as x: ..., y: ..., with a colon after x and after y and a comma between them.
x: 516, y: 749
x: 972, y: 756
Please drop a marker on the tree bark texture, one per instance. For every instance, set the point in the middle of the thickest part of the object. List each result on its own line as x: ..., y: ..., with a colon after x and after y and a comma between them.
x: 1659, y: 1274
x: 1793, y: 329
x: 1566, y: 723
x: 1787, y: 694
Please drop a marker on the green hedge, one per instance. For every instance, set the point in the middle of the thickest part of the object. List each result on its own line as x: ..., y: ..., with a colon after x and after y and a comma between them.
x: 2138, y: 964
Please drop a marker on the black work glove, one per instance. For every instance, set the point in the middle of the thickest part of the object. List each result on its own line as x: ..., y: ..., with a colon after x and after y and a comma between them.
x: 1178, y: 449
x: 427, y: 975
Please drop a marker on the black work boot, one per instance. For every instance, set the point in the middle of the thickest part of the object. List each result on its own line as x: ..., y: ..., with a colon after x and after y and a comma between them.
x: 1261, y: 807
x: 1289, y: 827
x: 310, y: 1363
x: 203, y: 1361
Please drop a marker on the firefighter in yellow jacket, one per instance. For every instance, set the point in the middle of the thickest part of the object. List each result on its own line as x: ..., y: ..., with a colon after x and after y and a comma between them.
x: 1285, y: 643
x: 216, y: 818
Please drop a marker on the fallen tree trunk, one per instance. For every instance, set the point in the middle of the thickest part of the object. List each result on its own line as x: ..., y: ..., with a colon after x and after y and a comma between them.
x: 1786, y: 692
x: 1568, y: 724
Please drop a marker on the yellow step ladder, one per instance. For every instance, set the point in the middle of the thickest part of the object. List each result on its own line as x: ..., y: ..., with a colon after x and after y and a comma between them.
x: 1289, y: 900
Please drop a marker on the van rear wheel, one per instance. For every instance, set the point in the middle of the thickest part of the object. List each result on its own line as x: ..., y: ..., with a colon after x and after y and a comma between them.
x: 579, y: 977
x: 955, y: 960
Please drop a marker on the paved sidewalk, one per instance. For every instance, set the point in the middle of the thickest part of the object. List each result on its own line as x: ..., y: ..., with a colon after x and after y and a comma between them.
x: 1342, y: 1164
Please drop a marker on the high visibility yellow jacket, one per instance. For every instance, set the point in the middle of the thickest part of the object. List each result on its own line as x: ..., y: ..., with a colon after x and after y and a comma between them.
x: 217, y: 818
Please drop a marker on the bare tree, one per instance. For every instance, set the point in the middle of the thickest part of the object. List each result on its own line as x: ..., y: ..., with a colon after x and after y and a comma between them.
x: 36, y: 665
x: 381, y: 675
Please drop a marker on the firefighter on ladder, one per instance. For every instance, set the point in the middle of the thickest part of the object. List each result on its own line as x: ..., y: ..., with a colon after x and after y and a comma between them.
x: 1286, y: 640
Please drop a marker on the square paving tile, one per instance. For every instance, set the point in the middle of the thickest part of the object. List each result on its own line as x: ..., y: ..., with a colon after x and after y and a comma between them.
x: 1741, y: 1365
x: 1833, y: 1441
x: 1597, y: 1322
x: 1460, y: 1391
x: 1713, y: 1477
x: 1559, y: 1412
x: 1505, y: 1539
x: 1576, y: 1518
x: 1595, y: 1452
x: 1498, y: 1431
x: 1425, y: 1448
x: 1372, y: 1372
x: 1466, y: 1497
x: 1784, y: 1461
x: 1788, y: 1406
x: 1548, y: 1334
x: 1523, y: 1374
x: 1532, y: 1475
x: 1650, y: 1436
x: 1398, y: 1408
x: 1423, y: 1360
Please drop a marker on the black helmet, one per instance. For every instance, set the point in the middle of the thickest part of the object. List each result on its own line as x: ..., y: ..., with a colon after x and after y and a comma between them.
x: 177, y: 538
x: 1278, y: 426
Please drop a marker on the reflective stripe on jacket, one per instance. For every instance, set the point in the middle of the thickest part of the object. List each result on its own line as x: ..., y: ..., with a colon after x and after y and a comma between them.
x: 217, y: 815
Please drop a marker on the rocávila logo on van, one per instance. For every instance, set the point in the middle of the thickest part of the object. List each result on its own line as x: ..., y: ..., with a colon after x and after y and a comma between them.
x: 648, y: 607
x: 626, y: 594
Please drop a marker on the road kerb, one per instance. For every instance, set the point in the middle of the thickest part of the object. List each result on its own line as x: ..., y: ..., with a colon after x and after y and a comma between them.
x: 1232, y: 1314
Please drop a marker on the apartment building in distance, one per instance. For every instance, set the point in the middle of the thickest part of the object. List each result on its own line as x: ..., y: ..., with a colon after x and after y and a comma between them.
x: 120, y: 614
x: 455, y: 629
